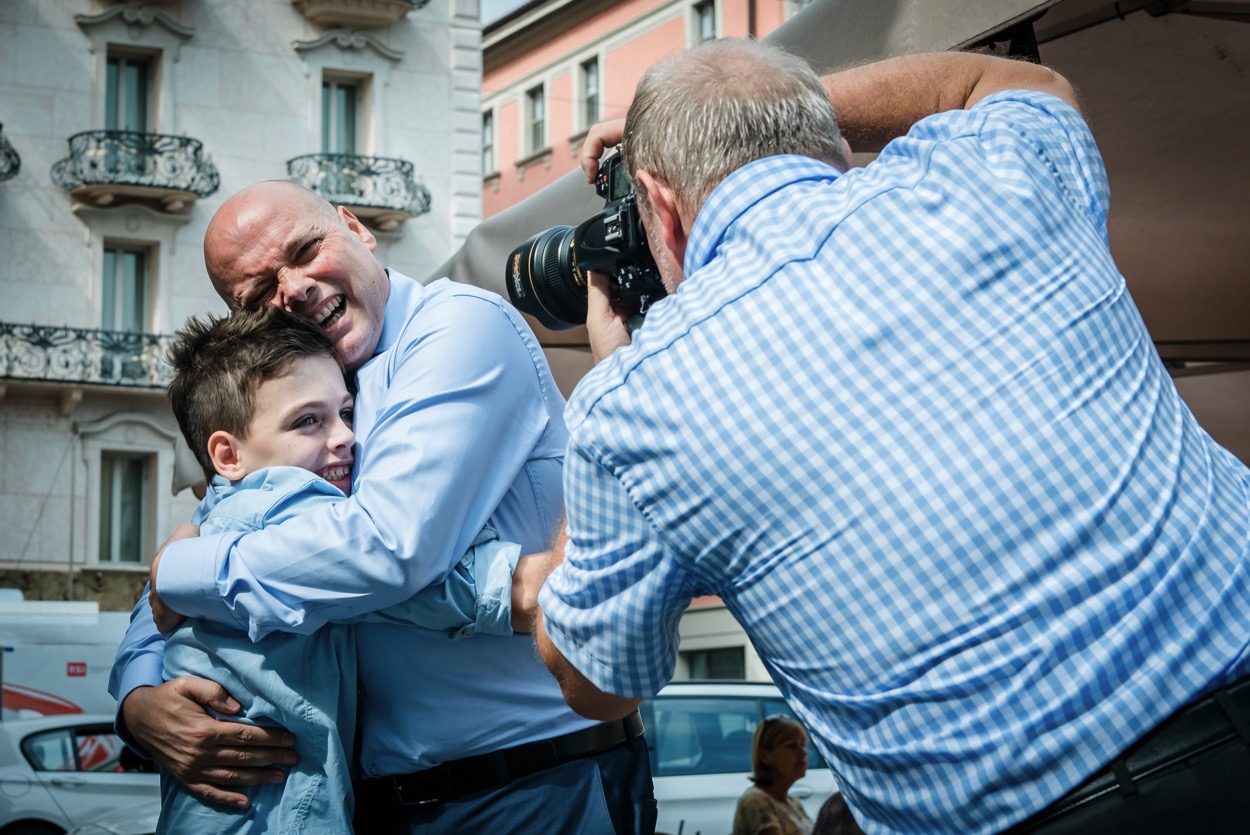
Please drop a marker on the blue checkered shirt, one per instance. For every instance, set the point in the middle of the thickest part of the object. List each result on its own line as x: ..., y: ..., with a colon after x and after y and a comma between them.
x: 908, y: 424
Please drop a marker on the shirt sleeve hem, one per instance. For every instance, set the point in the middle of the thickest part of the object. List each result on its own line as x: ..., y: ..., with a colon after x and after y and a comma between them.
x: 186, y: 579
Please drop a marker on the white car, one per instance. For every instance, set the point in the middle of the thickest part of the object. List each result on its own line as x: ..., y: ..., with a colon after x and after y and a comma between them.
x: 59, y: 772
x: 139, y: 820
x: 699, y: 735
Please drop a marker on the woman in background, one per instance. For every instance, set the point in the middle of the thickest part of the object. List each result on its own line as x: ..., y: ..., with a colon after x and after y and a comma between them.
x: 778, y: 761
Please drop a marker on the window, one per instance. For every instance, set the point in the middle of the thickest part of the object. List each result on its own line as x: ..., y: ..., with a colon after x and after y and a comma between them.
x: 704, y: 21
x: 125, y: 288
x: 590, y: 92
x: 536, y: 119
x: 727, y: 663
x: 340, y: 115
x: 488, y: 143
x: 127, y: 92
x: 124, y: 501
x: 84, y: 748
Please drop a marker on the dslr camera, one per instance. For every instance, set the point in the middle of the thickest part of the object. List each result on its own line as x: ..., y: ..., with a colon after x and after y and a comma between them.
x: 546, y: 275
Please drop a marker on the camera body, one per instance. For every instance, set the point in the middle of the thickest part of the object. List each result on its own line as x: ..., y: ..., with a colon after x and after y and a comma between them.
x: 546, y: 275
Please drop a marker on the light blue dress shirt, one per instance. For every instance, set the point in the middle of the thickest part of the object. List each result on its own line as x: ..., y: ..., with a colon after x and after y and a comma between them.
x: 908, y: 423
x: 459, y: 427
x: 307, y: 683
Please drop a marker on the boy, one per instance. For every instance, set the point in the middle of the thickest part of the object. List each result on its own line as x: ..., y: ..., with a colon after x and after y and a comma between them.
x: 262, y: 399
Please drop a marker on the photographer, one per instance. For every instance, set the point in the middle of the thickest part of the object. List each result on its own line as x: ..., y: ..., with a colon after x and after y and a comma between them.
x: 906, y: 421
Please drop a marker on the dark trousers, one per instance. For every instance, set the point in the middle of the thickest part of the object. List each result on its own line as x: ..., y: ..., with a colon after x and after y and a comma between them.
x: 609, y: 793
x: 1190, y: 774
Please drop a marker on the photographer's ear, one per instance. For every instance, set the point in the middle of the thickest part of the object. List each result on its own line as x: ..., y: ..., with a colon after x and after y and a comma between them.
x: 672, y: 227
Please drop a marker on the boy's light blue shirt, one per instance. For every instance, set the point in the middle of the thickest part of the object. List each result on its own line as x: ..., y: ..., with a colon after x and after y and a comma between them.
x: 307, y: 683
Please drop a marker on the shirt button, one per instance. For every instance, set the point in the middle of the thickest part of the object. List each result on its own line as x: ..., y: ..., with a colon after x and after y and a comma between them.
x: 373, y: 769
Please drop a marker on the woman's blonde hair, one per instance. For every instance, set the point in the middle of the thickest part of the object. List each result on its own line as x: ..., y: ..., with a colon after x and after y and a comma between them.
x: 773, y: 731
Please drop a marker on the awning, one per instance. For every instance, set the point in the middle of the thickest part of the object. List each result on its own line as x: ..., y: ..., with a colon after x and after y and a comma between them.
x: 1166, y: 88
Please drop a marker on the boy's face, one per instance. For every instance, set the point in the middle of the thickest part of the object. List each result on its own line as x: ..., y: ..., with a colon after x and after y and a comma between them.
x: 303, y: 419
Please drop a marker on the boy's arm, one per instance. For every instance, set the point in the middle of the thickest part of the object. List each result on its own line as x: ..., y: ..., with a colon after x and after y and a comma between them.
x: 475, y: 598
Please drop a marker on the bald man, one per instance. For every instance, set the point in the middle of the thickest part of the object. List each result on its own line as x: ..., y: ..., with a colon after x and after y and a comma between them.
x: 459, y: 425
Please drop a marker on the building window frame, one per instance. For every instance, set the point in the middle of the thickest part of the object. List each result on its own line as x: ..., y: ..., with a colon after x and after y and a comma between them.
x: 535, y: 114
x: 344, y: 103
x: 590, y: 91
x: 125, y: 507
x: 490, y: 161
x: 126, y: 286
x: 121, y: 436
x: 704, y: 21
x: 129, y: 85
x: 713, y: 663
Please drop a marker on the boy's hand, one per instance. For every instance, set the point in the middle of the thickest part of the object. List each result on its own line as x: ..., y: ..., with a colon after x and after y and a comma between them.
x: 166, y: 619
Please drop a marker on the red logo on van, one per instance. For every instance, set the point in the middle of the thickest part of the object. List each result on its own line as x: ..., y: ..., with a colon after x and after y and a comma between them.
x: 76, y: 669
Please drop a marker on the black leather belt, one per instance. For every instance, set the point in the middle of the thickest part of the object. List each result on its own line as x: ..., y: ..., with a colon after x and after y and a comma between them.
x: 1207, y: 724
x: 470, y: 774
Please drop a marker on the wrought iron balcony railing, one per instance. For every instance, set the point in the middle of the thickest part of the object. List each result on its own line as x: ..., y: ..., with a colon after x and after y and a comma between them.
x: 381, y: 191
x: 78, y: 355
x: 10, y: 162
x: 105, y: 164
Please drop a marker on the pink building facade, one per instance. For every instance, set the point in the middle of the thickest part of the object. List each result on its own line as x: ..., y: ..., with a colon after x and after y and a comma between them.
x: 553, y: 68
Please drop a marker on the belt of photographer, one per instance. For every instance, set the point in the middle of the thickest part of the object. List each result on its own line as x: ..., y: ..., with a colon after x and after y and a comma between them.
x: 455, y: 778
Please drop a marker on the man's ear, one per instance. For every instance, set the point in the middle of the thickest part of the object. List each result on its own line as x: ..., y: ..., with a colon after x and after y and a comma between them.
x: 673, y: 225
x: 358, y: 229
x: 223, y: 449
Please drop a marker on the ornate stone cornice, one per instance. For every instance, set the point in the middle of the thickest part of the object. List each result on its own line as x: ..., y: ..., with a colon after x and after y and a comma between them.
x: 139, y: 16
x: 345, y: 40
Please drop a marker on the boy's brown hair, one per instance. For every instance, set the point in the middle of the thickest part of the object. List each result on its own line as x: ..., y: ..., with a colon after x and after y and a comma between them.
x: 220, y: 362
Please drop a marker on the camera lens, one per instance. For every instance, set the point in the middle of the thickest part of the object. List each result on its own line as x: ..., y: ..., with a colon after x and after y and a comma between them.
x: 544, y: 281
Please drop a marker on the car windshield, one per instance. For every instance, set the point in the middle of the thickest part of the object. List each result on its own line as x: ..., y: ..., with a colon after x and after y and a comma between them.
x: 708, y: 735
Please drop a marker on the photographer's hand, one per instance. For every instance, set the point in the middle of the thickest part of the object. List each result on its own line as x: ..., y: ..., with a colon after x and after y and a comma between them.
x: 600, y: 136
x: 604, y: 323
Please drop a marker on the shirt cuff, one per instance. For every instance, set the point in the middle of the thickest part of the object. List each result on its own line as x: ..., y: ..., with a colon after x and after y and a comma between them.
x: 186, y: 578
x: 142, y: 671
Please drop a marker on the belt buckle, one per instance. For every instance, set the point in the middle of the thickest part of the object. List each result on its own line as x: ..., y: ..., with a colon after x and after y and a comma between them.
x: 443, y: 789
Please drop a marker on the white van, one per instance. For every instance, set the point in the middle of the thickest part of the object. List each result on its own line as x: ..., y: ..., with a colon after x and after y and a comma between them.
x: 699, y: 736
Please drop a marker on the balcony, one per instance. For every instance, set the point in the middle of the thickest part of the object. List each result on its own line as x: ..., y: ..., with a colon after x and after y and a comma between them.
x: 10, y: 162
x: 104, y: 166
x: 79, y: 356
x: 357, y: 14
x: 381, y: 191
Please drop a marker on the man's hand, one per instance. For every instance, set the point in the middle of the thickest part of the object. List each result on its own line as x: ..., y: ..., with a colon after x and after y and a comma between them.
x: 531, y: 571
x: 166, y: 619
x: 204, y: 754
x: 600, y: 137
x: 605, y: 325
x: 584, y: 697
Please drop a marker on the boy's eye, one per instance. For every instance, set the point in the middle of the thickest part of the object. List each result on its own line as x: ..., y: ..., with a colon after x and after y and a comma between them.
x: 347, y: 415
x: 307, y: 420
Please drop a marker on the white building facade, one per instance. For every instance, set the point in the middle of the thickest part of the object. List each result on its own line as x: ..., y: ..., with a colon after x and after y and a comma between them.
x: 123, y: 126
